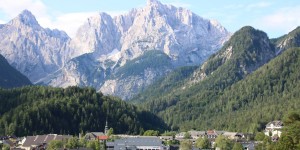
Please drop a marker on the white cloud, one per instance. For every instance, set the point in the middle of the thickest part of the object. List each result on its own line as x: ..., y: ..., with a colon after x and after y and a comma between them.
x: 178, y: 3
x: 13, y: 8
x: 69, y: 22
x: 284, y: 20
x: 248, y: 7
x: 116, y: 13
x: 258, y: 5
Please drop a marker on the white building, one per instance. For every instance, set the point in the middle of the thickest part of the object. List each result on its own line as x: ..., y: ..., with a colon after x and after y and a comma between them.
x: 274, y: 128
x: 136, y: 143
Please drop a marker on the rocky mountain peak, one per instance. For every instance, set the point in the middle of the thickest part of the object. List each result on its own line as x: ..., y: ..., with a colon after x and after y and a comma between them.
x: 153, y: 3
x: 292, y: 39
x: 114, y: 47
x: 25, y: 18
x: 102, y: 16
x: 98, y: 35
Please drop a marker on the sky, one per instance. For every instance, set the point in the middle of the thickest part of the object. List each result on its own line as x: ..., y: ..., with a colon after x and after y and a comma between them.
x: 275, y: 17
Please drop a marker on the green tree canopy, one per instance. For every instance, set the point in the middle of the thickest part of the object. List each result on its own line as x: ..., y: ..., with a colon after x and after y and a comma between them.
x: 203, y: 143
x: 186, y: 145
x: 237, y: 146
x: 151, y: 133
x: 73, y: 143
x: 187, y: 135
x: 55, y: 144
x: 259, y: 136
x: 94, y: 144
x: 110, y: 132
x: 223, y: 143
x: 290, y: 138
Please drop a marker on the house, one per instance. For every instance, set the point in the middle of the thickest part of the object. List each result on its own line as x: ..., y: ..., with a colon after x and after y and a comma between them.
x: 136, y: 143
x: 180, y: 135
x: 248, y: 145
x: 274, y: 128
x: 95, y: 136
x: 212, y: 134
x: 231, y: 135
x: 196, y: 134
x: 40, y: 141
x: 166, y: 138
x: 7, y: 142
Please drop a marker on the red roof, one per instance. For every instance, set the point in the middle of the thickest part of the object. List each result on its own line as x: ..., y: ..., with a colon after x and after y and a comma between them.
x: 102, y: 137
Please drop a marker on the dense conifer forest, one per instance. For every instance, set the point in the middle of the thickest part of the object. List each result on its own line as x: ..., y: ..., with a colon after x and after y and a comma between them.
x: 42, y: 110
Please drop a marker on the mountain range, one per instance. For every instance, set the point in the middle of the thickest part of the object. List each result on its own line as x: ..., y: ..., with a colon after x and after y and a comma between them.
x: 187, y: 70
x: 107, y: 49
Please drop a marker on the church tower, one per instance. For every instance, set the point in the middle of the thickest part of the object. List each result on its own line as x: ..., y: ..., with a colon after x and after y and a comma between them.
x: 106, y: 128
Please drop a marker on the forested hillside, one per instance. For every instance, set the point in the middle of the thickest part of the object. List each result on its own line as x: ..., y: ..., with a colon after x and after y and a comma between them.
x: 165, y: 84
x: 10, y: 77
x: 43, y: 110
x: 247, y: 50
x: 248, y: 105
x: 208, y: 99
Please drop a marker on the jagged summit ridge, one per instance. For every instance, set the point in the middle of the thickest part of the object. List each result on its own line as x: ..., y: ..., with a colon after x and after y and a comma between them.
x: 25, y: 18
x: 111, y: 42
x: 104, y: 45
x: 98, y: 35
x: 34, y: 51
x: 152, y: 2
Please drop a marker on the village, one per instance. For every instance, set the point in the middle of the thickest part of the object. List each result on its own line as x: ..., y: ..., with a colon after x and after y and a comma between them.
x: 111, y: 141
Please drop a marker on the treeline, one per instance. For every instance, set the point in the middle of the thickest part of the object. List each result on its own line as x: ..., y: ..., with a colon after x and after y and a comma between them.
x: 153, y: 59
x: 42, y: 110
x: 164, y: 85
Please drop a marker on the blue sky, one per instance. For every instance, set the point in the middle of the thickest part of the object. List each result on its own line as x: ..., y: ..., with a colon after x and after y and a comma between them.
x: 276, y: 17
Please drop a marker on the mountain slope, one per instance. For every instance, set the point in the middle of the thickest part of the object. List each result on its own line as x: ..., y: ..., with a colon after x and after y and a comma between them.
x: 248, y: 105
x: 290, y: 40
x: 126, y: 81
x: 173, y: 80
x: 184, y: 37
x: 43, y: 110
x: 34, y: 51
x: 10, y: 77
x: 247, y: 50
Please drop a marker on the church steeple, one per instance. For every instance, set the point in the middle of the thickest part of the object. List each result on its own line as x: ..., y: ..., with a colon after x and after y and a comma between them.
x: 106, y: 128
x: 106, y: 124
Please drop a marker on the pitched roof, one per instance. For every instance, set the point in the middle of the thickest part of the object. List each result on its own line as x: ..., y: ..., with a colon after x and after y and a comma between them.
x: 230, y: 133
x: 102, y: 137
x: 98, y: 133
x: 41, y: 139
x: 9, y: 142
x: 29, y: 141
x: 136, y: 141
x: 196, y: 133
x: 211, y: 132
x: 276, y: 123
